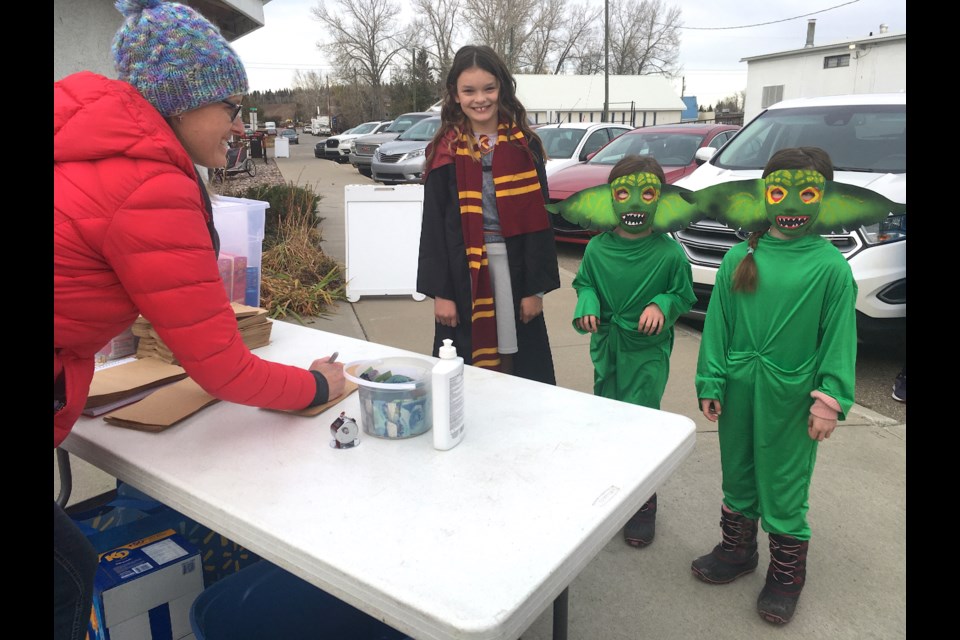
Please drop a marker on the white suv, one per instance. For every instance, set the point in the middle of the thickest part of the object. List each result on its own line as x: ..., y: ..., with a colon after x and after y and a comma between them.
x: 866, y: 137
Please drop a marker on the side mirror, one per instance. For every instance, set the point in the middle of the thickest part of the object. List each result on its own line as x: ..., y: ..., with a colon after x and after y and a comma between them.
x: 703, y: 154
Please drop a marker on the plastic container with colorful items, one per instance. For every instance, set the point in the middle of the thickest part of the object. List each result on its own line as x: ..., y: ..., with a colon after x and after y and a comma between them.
x: 395, y: 400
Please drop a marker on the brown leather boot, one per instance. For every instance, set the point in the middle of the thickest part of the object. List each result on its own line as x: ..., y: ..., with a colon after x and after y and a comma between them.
x: 736, y: 555
x: 786, y: 576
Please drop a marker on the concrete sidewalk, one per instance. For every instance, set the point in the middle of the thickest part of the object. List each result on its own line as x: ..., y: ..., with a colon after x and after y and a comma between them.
x: 856, y: 568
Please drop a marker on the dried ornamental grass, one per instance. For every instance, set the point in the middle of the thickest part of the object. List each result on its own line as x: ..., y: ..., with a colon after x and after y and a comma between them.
x: 297, y: 278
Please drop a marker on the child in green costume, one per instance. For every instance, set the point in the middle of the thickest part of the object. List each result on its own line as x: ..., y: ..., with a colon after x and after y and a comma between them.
x: 777, y: 360
x: 632, y: 285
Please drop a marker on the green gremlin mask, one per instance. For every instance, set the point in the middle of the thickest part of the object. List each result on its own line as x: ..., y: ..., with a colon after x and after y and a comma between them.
x: 793, y: 199
x: 635, y: 203
x: 797, y: 202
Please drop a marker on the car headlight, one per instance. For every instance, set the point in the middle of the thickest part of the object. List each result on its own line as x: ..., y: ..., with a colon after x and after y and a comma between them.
x: 350, y: 146
x: 416, y: 154
x: 890, y: 229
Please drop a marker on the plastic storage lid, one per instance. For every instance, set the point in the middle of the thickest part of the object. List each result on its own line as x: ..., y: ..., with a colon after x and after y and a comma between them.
x: 411, y: 367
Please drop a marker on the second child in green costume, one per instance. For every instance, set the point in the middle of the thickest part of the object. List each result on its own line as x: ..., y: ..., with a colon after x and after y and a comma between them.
x: 777, y: 361
x: 632, y: 286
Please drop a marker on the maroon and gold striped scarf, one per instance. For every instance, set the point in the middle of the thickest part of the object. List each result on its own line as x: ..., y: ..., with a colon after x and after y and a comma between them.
x: 520, y: 206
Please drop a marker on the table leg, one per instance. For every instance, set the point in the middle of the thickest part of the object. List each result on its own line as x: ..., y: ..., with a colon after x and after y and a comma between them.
x: 66, y: 477
x: 560, y: 616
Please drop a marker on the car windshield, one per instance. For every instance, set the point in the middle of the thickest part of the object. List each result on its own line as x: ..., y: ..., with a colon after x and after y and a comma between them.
x: 422, y: 131
x: 866, y: 138
x: 403, y: 123
x: 366, y: 127
x: 559, y: 142
x: 673, y: 149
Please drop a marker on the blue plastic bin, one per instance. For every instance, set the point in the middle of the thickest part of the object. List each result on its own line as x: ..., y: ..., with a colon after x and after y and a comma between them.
x: 264, y: 602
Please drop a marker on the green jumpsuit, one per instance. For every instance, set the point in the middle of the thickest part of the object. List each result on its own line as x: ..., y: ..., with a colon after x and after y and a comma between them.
x: 761, y: 356
x: 617, y: 279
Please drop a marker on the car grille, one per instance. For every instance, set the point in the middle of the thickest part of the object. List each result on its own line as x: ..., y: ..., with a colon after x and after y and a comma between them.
x: 398, y: 177
x: 707, y: 241
x: 390, y: 157
x: 365, y: 149
x: 332, y: 144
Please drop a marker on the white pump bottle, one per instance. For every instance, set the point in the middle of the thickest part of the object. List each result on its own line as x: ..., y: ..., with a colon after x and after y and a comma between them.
x: 448, y: 401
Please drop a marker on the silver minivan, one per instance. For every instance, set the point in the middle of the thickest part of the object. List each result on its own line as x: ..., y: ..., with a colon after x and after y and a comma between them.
x: 401, y: 161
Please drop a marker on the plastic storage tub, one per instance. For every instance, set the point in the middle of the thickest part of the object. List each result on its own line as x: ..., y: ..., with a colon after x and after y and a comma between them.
x: 394, y: 410
x: 263, y: 602
x: 240, y: 224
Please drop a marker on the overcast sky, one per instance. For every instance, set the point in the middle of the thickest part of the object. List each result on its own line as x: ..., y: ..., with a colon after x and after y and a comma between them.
x: 714, y: 38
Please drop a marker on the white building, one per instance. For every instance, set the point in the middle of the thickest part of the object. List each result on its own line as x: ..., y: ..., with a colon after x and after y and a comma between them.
x: 876, y: 63
x: 635, y: 100
x: 84, y: 29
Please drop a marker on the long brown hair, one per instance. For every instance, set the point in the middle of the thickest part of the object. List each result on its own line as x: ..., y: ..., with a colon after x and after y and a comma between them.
x: 509, y: 107
x: 745, y: 276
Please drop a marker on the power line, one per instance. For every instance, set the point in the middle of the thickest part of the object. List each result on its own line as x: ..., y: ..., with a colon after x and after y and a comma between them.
x: 762, y: 24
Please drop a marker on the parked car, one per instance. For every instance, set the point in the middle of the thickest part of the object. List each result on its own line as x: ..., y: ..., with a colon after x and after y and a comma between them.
x: 307, y: 129
x: 271, y: 128
x: 320, y: 149
x: 401, y: 161
x: 866, y: 137
x: 363, y: 148
x: 569, y: 143
x: 291, y: 135
x: 673, y: 145
x: 338, y: 147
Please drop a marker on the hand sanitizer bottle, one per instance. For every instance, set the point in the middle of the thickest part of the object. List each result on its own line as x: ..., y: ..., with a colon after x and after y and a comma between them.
x: 447, y: 389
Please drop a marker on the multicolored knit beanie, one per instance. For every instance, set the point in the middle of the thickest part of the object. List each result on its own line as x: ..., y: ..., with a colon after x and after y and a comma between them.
x: 174, y: 56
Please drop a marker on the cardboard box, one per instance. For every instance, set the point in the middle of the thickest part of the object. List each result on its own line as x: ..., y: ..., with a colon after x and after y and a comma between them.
x: 144, y: 589
x: 240, y: 223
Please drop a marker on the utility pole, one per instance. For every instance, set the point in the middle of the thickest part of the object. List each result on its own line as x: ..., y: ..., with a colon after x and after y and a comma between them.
x: 606, y: 60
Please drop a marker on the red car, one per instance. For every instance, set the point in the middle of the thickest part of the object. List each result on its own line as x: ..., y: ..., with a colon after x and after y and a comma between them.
x: 673, y: 145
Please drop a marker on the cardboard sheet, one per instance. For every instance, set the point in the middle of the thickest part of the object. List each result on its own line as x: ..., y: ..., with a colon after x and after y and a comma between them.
x: 163, y: 408
x: 123, y: 380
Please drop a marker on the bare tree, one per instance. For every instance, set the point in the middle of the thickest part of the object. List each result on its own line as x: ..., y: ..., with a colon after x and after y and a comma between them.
x: 581, y: 33
x: 644, y: 37
x: 310, y: 92
x: 502, y: 24
x: 436, y: 30
x: 547, y: 26
x: 365, y: 35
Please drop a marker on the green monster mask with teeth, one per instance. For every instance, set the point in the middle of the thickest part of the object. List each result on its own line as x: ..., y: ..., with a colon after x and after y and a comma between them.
x: 635, y: 202
x: 793, y: 199
x: 796, y: 202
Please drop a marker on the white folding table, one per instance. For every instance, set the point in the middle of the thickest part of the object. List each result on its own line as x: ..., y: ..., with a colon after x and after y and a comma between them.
x: 472, y: 543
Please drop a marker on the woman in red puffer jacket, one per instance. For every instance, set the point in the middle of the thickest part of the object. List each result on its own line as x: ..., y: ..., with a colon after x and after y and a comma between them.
x: 133, y: 234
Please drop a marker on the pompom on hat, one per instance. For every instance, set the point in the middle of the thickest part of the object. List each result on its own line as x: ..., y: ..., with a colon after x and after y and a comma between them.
x: 174, y: 56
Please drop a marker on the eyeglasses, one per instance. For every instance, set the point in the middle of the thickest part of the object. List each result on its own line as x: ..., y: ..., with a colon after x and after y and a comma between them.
x: 237, y: 108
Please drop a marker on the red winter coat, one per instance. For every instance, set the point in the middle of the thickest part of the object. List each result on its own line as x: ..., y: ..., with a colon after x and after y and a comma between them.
x: 130, y: 237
